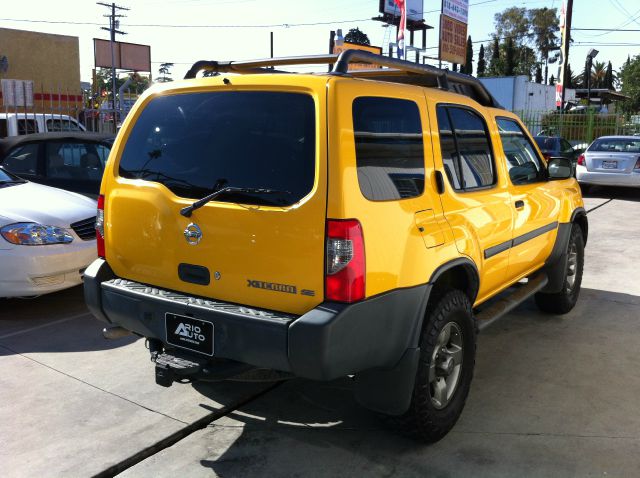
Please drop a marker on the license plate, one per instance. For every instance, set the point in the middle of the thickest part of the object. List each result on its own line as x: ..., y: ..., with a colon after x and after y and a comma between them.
x: 189, y: 333
x: 609, y: 164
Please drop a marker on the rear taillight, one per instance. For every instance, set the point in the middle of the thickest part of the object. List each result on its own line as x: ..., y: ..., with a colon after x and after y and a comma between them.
x: 547, y: 157
x: 637, y: 166
x: 581, y: 160
x: 100, y: 226
x: 345, y: 274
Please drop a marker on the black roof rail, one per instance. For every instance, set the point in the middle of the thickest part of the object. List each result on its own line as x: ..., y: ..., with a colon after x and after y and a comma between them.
x: 397, y: 71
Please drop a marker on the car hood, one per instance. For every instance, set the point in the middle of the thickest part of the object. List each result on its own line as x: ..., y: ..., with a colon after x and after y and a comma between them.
x: 31, y: 202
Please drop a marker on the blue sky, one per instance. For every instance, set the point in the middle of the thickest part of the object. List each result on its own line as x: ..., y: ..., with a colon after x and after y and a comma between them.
x: 183, y: 46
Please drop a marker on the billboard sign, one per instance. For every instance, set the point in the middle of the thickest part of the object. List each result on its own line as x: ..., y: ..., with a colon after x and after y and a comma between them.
x: 414, y: 9
x: 453, y: 40
x: 456, y: 9
x: 355, y: 46
x: 128, y: 56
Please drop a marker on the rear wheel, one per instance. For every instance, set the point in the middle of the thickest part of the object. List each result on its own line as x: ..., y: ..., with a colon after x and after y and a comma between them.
x: 447, y: 358
x: 563, y: 301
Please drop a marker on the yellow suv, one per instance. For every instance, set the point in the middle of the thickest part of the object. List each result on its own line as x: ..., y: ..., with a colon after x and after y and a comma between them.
x: 356, y: 223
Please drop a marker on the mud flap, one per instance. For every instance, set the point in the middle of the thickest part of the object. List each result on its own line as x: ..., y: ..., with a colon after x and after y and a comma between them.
x: 389, y: 391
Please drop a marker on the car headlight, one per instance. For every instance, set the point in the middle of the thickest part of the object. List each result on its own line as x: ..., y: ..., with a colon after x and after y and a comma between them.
x: 32, y: 234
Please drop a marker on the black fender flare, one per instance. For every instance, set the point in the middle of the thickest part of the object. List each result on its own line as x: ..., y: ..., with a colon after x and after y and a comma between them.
x: 389, y: 390
x: 556, y: 263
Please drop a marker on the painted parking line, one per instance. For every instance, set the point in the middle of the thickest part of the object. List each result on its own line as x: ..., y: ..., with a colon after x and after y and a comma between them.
x: 42, y: 326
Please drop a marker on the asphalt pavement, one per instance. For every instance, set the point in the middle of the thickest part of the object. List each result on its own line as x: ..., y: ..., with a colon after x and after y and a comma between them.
x: 552, y: 395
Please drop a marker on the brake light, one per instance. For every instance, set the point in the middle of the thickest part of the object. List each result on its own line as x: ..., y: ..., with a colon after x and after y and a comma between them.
x: 547, y: 157
x: 581, y: 160
x: 345, y: 274
x: 100, y: 227
x: 637, y: 166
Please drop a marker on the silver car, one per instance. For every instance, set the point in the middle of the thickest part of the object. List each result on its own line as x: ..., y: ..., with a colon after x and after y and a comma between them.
x: 611, y: 161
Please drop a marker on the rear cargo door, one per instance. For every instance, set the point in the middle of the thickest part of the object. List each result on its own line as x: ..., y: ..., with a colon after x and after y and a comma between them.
x: 262, y: 247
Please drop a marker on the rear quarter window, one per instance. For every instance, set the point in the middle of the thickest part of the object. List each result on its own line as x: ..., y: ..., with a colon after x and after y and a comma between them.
x: 389, y: 148
x: 194, y: 142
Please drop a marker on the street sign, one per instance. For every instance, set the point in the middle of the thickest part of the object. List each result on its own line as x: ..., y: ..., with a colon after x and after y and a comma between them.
x: 453, y: 40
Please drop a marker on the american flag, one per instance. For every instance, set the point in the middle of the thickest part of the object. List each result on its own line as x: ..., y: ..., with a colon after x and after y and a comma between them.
x: 403, y: 22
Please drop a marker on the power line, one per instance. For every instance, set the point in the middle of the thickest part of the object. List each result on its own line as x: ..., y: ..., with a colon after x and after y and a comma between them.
x: 158, y: 25
x: 607, y: 29
x: 161, y: 25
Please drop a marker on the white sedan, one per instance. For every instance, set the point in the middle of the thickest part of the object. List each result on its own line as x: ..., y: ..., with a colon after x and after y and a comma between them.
x: 610, y: 161
x: 47, y: 237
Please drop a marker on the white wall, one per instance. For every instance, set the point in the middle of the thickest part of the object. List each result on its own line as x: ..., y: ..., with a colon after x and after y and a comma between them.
x: 516, y: 93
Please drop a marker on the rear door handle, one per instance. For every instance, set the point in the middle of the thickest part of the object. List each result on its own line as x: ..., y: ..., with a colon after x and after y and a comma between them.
x: 519, y: 204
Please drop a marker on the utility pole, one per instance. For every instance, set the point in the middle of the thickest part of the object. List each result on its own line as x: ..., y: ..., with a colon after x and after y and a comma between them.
x: 113, y: 25
x: 565, y: 51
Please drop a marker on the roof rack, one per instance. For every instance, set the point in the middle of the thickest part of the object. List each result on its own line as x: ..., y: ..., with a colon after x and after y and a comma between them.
x: 396, y: 71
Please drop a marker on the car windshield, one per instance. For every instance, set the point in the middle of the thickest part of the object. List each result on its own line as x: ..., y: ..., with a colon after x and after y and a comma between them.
x: 252, y: 139
x: 616, y: 145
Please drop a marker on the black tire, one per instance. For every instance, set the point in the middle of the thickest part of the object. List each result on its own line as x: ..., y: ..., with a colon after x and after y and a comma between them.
x: 563, y: 301
x: 424, y: 420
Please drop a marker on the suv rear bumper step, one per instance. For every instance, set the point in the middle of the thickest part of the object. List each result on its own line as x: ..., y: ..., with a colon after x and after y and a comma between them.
x: 330, y: 341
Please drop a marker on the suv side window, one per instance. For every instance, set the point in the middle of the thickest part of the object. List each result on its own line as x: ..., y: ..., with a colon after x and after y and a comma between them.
x: 524, y: 164
x: 389, y: 148
x: 466, y: 150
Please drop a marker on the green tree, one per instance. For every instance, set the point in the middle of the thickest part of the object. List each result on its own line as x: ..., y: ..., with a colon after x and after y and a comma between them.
x: 610, y: 78
x: 598, y: 74
x: 103, y: 81
x: 630, y: 82
x: 495, y: 62
x: 165, y: 71
x: 544, y: 27
x: 482, y: 64
x: 538, y: 74
x: 509, y: 57
x: 527, y: 37
x: 355, y: 35
x: 468, y: 66
x: 513, y: 23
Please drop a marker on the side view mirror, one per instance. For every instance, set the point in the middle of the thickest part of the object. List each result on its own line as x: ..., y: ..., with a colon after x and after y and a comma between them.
x: 559, y: 168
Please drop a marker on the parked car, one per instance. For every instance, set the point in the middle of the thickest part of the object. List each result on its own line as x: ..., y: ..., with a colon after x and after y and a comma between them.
x: 610, y: 161
x: 73, y: 161
x: 556, y: 146
x: 325, y: 225
x: 47, y: 237
x: 16, y: 124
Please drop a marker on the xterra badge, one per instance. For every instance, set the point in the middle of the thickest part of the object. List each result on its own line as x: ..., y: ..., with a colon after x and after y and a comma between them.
x: 289, y: 289
x: 258, y: 284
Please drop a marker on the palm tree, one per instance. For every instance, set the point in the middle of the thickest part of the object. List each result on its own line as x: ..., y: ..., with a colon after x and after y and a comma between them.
x: 598, y: 75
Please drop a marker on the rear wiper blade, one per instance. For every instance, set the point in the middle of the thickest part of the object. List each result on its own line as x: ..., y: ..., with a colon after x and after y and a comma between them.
x: 186, y: 211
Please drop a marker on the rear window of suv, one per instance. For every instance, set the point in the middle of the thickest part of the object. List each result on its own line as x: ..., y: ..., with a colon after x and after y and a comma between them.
x: 196, y: 143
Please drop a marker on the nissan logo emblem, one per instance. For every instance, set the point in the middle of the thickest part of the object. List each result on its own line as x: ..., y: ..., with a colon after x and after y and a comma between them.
x: 193, y: 234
